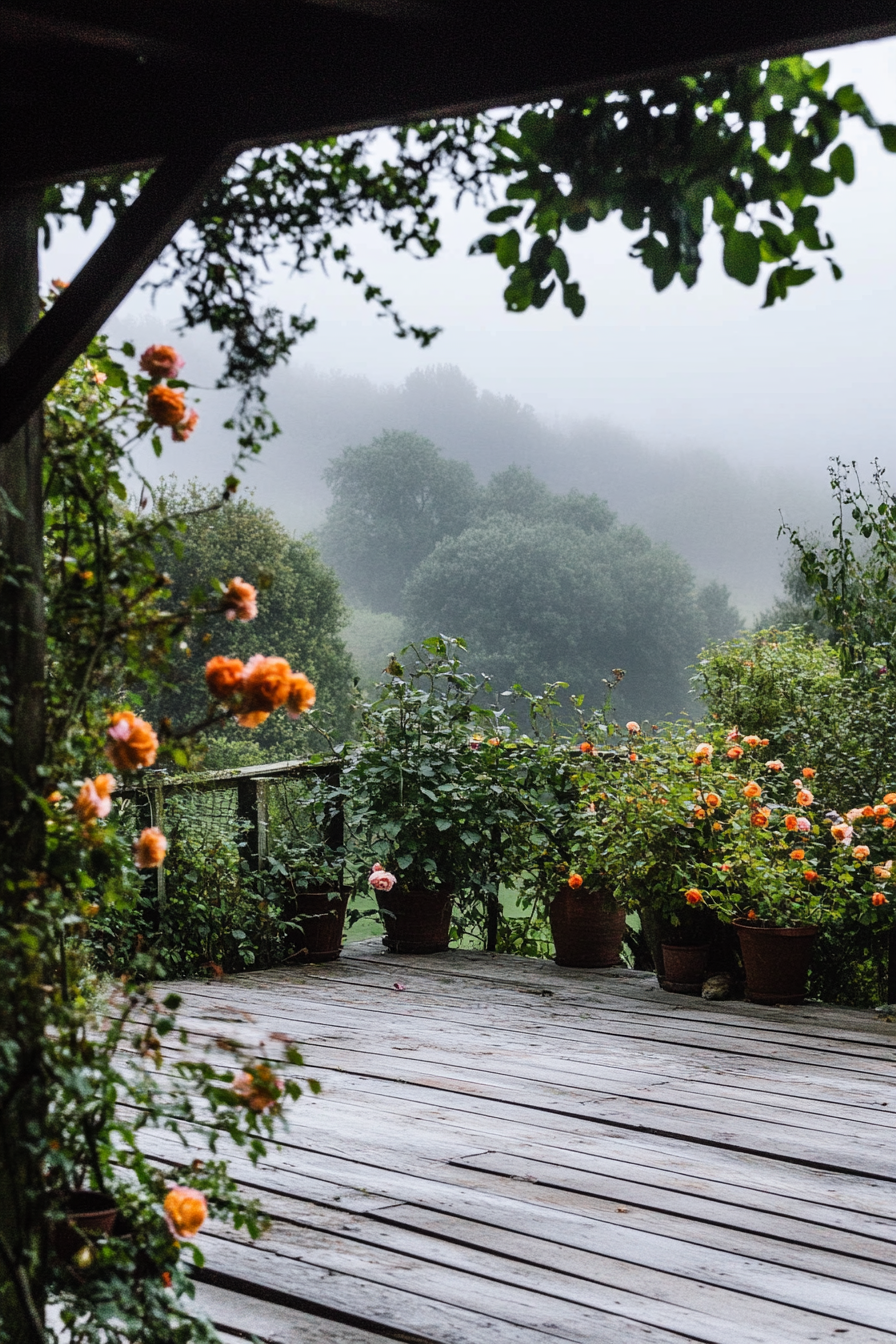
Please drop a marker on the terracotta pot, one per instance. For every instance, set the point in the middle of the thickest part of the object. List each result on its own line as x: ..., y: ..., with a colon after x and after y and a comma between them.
x: 322, y: 921
x: 684, y: 967
x: 776, y: 961
x: 416, y: 921
x: 587, y: 928
x: 86, y: 1211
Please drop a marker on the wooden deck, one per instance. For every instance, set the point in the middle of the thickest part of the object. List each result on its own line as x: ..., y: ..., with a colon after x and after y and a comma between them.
x: 506, y: 1151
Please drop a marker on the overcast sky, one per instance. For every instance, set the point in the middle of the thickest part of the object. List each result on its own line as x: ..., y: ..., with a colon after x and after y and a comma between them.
x: 778, y: 388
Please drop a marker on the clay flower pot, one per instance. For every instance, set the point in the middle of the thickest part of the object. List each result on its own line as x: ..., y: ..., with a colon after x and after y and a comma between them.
x: 416, y: 921
x: 322, y: 921
x: 88, y: 1212
x: 587, y: 928
x: 685, y: 968
x: 776, y: 961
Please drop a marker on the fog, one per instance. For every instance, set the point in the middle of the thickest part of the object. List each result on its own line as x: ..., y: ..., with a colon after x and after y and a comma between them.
x: 697, y: 415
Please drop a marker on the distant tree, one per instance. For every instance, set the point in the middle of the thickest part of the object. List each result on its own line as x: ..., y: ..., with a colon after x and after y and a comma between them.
x: 796, y: 606
x: 723, y: 621
x: 393, y: 501
x: 517, y: 491
x: 540, y: 601
x: 300, y: 615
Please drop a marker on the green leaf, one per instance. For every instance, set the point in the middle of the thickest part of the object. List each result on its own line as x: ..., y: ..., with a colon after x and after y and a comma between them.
x: 503, y: 213
x: 741, y: 256
x: 128, y: 349
x: 888, y: 136
x: 507, y: 249
x: 843, y: 163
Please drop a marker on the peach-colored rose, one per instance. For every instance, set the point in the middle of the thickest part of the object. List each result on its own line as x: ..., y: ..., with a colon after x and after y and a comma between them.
x: 693, y: 896
x: 184, y: 427
x: 776, y: 766
x: 881, y: 810
x: 733, y: 735
x: 888, y: 823
x: 380, y: 880
x: 259, y: 1088
x: 752, y: 790
x: 805, y: 797
x: 884, y: 871
x: 150, y: 849
x: 130, y: 742
x: 574, y: 880
x: 224, y: 676
x: 841, y: 833
x: 752, y: 740
x: 94, y: 797
x: 735, y: 753
x: 632, y: 726
x: 807, y: 772
x: 240, y: 601
x: 161, y: 361
x: 186, y: 1210
x: 302, y: 695
x: 703, y: 751
x: 798, y: 855
x: 879, y: 899
x: 165, y: 406
x: 854, y: 813
x: 890, y: 798
x: 861, y: 852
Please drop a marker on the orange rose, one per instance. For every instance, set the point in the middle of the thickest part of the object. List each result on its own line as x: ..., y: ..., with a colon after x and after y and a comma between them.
x: 807, y: 772
x: 884, y: 871
x: 240, y: 600
x: 752, y: 741
x: 798, y: 854
x: 713, y: 800
x: 632, y: 756
x: 493, y: 741
x: 841, y: 833
x: 752, y: 790
x: 888, y: 823
x: 259, y: 1088
x: 890, y: 798
x: 810, y: 875
x: 763, y: 742
x: 717, y: 825
x: 751, y: 914
x: 790, y: 822
x: 881, y: 810
x: 867, y: 811
x: 861, y: 852
x: 693, y: 896
x: 150, y: 848
x: 586, y: 747
x: 265, y: 683
x: 161, y: 361
x: 700, y: 813
x: 735, y: 753
x: 94, y: 799
x: 254, y: 719
x: 184, y: 428
x: 879, y: 899
x: 758, y: 818
x: 574, y: 880
x: 185, y: 1211
x: 805, y: 797
x: 130, y: 742
x: 302, y: 696
x: 725, y: 867
x: 165, y: 406
x: 223, y: 676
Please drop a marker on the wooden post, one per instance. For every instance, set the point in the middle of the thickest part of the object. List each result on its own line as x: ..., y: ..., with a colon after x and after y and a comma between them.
x: 150, y: 807
x: 252, y: 808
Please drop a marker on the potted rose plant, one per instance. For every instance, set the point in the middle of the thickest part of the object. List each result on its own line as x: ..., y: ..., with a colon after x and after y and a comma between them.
x: 425, y: 804
x: 784, y: 869
x: 656, y: 810
x: 559, y: 778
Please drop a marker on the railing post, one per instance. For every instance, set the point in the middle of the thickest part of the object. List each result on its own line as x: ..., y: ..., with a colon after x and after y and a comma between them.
x: 149, y: 802
x: 252, y: 808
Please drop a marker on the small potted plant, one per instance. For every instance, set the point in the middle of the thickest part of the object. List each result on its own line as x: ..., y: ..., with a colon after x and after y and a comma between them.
x: 306, y: 866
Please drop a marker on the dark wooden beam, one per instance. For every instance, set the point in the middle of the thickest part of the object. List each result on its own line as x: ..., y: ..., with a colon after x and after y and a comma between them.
x: 133, y: 244
x: 121, y: 95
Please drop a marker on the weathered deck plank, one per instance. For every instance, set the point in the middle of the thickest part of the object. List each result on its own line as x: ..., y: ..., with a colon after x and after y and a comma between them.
x: 505, y: 1151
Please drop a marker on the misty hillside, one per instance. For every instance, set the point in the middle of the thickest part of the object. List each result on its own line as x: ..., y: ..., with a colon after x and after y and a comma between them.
x: 722, y: 518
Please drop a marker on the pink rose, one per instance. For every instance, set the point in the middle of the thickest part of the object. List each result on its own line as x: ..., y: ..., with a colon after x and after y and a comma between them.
x: 380, y: 880
x: 803, y: 824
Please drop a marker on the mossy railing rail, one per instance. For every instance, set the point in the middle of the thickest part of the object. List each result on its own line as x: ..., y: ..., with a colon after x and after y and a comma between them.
x: 251, y: 786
